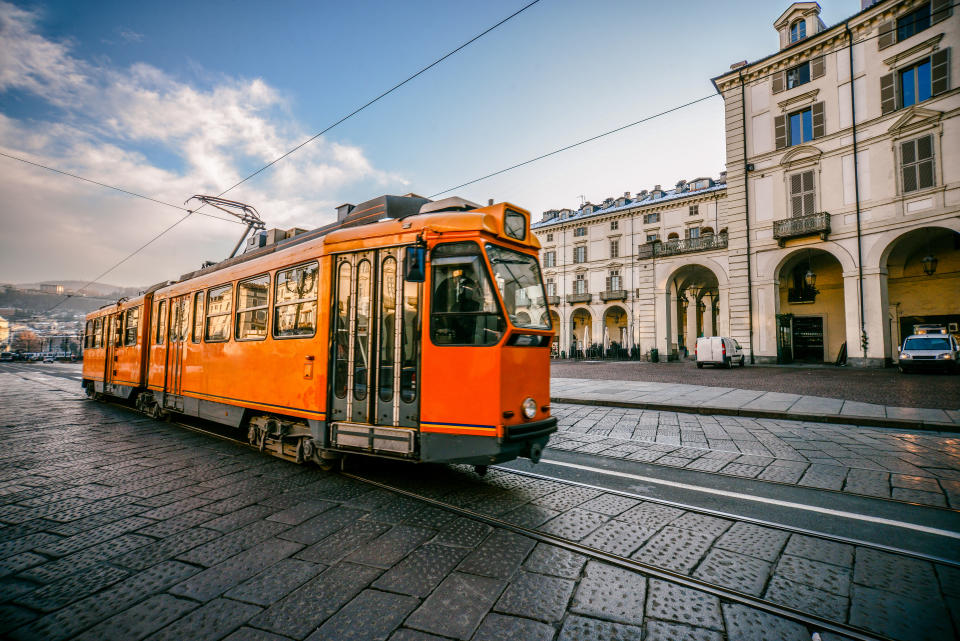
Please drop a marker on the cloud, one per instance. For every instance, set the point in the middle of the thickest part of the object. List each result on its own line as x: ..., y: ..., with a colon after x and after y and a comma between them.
x: 129, y: 35
x: 142, y: 129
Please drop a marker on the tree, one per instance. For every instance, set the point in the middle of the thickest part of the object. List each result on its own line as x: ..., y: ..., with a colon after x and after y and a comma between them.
x: 25, y: 341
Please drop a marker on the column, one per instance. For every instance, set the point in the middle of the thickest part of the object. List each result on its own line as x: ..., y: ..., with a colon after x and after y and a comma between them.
x: 692, y: 313
x: 765, y: 323
x: 851, y: 312
x: 662, y: 302
x: 876, y: 316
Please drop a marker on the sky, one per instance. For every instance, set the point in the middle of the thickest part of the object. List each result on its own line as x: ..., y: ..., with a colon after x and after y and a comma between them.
x: 179, y: 98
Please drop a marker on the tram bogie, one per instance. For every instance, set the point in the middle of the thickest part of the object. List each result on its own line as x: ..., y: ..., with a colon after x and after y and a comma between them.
x: 422, y: 336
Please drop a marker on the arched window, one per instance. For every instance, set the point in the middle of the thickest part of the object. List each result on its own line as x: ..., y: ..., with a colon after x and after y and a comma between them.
x: 673, y: 236
x: 706, y: 231
x: 798, y: 30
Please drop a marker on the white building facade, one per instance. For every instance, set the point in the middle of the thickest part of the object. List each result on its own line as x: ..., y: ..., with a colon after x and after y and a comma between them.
x: 839, y: 209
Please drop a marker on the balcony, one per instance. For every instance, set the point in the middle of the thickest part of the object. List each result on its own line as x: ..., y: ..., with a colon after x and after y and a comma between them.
x: 802, y: 226
x: 579, y: 298
x: 613, y: 294
x: 690, y: 245
x: 553, y: 300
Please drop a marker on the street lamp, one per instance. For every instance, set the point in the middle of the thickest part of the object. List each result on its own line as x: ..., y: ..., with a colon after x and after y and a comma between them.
x: 929, y: 263
x: 810, y: 278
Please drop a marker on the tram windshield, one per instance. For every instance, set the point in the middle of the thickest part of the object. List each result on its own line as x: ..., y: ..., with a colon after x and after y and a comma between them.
x: 464, y: 309
x: 520, y: 284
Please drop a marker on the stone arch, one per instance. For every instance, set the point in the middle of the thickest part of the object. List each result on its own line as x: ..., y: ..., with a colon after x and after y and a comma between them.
x: 770, y: 264
x: 668, y: 270
x: 691, y: 303
x: 616, y: 323
x: 581, y: 321
x: 879, y: 252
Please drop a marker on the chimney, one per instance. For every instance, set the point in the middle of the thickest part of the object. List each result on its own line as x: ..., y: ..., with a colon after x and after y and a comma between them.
x: 737, y: 65
x: 723, y: 177
x: 489, y: 202
x: 343, y: 211
x: 626, y: 194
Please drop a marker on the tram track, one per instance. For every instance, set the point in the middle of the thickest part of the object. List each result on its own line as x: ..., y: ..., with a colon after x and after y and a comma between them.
x: 815, y: 623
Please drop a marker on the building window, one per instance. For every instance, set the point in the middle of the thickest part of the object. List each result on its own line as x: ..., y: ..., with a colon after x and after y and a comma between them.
x: 913, y: 22
x: 802, y: 194
x: 799, y: 75
x: 694, y: 210
x: 550, y: 259
x: 549, y: 238
x: 649, y: 219
x: 580, y: 284
x: 652, y: 237
x: 613, y: 280
x: 801, y: 126
x: 252, y: 302
x: 798, y: 30
x: 916, y: 163
x: 580, y: 231
x: 551, y: 287
x: 915, y: 84
x: 614, y: 224
x: 693, y: 232
x: 614, y: 248
x: 295, y: 301
x: 580, y: 254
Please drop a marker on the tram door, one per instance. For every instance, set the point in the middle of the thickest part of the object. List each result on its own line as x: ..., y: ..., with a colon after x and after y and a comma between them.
x: 173, y: 383
x: 112, y: 336
x: 374, y: 340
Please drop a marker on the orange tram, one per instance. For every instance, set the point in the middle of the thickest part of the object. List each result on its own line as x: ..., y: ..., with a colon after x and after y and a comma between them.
x: 408, y: 329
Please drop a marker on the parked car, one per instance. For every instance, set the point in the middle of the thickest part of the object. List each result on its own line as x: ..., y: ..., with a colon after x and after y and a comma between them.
x: 8, y: 356
x: 930, y: 352
x: 720, y: 351
x: 49, y: 359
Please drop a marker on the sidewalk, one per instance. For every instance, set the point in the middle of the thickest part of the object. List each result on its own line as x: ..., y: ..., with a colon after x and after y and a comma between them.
x: 701, y: 399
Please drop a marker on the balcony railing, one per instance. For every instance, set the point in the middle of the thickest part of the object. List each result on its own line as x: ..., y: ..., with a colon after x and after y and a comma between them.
x: 553, y: 300
x: 690, y: 245
x: 613, y: 294
x: 579, y: 298
x: 802, y: 226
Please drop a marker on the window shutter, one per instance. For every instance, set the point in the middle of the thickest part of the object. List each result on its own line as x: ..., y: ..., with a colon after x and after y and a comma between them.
x: 940, y: 71
x: 808, y: 193
x: 887, y: 35
x: 908, y: 156
x: 779, y: 81
x: 817, y: 68
x: 819, y: 127
x: 796, y: 199
x: 780, y: 131
x: 925, y: 162
x: 939, y: 10
x: 888, y: 93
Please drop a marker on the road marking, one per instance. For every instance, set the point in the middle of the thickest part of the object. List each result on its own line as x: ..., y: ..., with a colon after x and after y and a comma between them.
x: 760, y: 499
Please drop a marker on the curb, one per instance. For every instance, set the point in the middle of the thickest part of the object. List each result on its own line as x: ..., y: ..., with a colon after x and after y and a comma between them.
x: 864, y: 421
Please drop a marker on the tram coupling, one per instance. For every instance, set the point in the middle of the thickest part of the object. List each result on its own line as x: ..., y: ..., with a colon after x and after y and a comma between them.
x: 284, y: 439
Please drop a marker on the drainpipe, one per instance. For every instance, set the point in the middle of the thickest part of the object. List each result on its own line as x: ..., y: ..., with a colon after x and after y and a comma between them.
x: 856, y: 192
x: 746, y: 203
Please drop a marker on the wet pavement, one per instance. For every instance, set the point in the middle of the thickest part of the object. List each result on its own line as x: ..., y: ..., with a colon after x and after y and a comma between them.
x: 880, y: 386
x: 115, y: 526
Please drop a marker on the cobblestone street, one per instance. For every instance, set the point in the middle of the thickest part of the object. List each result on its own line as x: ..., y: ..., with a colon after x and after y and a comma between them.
x: 115, y: 526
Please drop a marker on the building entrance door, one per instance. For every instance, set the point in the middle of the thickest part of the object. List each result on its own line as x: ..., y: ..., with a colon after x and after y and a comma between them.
x: 784, y: 338
x: 808, y: 339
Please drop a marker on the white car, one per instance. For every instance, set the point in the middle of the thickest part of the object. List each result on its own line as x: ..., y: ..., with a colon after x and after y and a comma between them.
x: 928, y: 352
x: 720, y: 351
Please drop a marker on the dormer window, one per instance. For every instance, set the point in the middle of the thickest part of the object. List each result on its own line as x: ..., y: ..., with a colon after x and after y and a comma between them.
x: 913, y: 22
x: 798, y: 31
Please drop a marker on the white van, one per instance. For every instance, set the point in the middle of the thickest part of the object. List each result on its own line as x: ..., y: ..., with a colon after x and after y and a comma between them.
x: 720, y: 351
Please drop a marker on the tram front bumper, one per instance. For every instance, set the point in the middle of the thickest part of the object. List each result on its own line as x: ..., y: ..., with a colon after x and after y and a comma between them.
x: 530, y: 431
x: 524, y: 440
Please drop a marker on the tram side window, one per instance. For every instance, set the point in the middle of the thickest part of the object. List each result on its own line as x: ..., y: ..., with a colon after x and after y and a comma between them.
x: 218, y: 314
x: 98, y: 333
x: 132, y: 325
x: 161, y: 316
x: 295, y: 301
x: 88, y: 335
x: 252, y: 304
x: 116, y: 324
x: 197, y: 316
x: 464, y: 309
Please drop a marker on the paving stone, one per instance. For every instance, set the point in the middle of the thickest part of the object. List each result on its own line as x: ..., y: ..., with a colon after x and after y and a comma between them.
x: 391, y: 546
x: 702, y: 523
x: 176, y: 524
x: 618, y: 537
x: 899, y: 617
x: 406, y: 634
x: 139, y: 621
x: 949, y: 579
x: 339, y: 544
x: 574, y: 524
x: 576, y: 628
x: 420, y: 572
x: 275, y: 582
x: 827, y: 477
x: 498, y: 556
x: 19, y: 562
x: 663, y: 631
x: 167, y: 548
x: 371, y: 616
x: 252, y: 634
x: 651, y: 515
x: 754, y: 540
x: 301, y: 611
x: 781, y: 474
x: 72, y: 588
x: 85, y: 558
x: 529, y: 515
x: 78, y: 542
x: 610, y: 593
x: 609, y: 504
x: 225, y: 546
x: 671, y: 602
x: 746, y: 624
x: 300, y: 512
x: 221, y: 577
x: 209, y: 622
x: 733, y: 570
x: 567, y: 497
x: 497, y: 627
x: 549, y: 559
x: 457, y: 606
x: 69, y: 621
x: 536, y: 596
x: 675, y: 549
x: 817, y: 574
x: 322, y: 525
x: 241, y: 517
x: 807, y: 598
x: 463, y: 532
x: 819, y: 550
x: 918, y: 496
x: 27, y: 543
x: 909, y: 577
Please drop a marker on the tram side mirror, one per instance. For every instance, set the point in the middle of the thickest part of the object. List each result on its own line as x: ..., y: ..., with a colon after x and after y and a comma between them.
x: 415, y: 268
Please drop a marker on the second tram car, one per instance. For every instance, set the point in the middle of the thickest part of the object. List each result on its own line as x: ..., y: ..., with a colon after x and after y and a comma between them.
x: 423, y: 335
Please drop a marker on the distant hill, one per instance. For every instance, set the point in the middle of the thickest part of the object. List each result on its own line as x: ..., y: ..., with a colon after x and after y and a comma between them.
x: 95, y: 289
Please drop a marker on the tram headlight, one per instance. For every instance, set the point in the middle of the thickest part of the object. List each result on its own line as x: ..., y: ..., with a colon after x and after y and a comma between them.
x: 529, y: 408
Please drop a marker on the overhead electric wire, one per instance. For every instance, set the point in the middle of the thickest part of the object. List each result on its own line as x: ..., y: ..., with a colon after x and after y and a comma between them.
x: 120, y: 189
